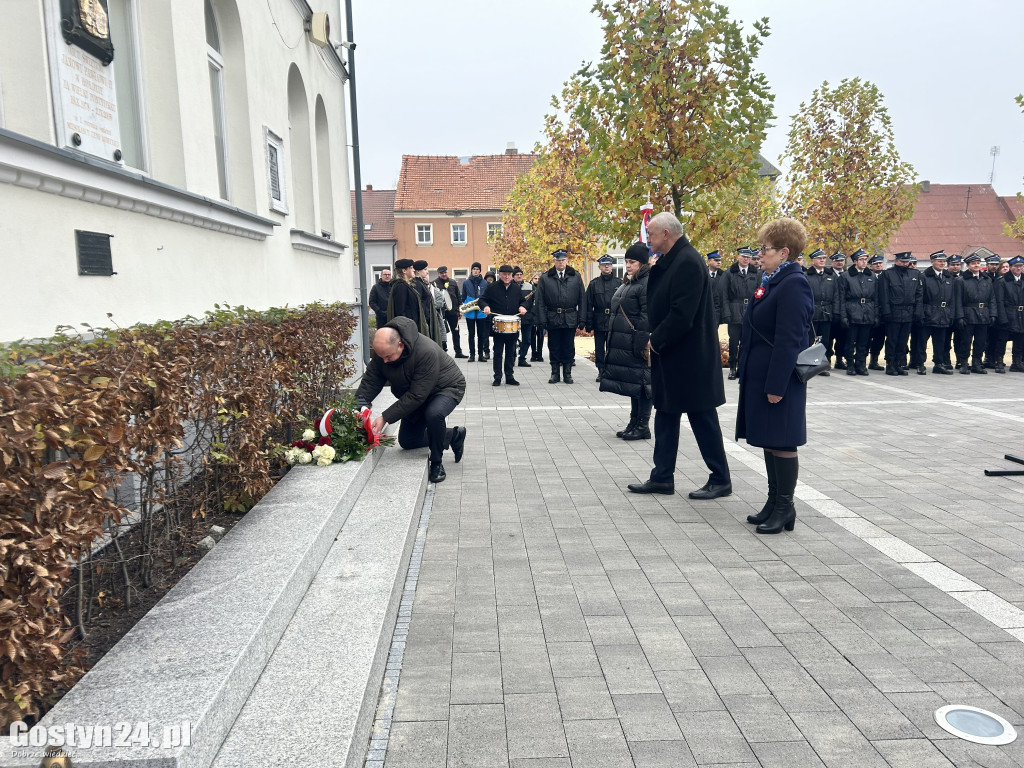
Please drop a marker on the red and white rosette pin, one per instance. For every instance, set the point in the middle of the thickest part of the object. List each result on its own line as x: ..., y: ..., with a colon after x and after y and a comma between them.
x: 759, y: 292
x: 325, y: 423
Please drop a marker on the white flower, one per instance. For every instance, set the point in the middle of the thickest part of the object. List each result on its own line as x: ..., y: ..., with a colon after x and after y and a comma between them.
x: 325, y: 453
x: 292, y: 454
x: 323, y: 462
x: 308, y: 436
x: 304, y: 457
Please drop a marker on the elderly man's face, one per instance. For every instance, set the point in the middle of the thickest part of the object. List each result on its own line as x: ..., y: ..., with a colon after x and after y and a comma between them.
x: 658, y: 239
x: 506, y: 277
x: 743, y: 259
x: 560, y: 264
x: 1017, y: 269
x: 384, y: 348
x: 818, y: 262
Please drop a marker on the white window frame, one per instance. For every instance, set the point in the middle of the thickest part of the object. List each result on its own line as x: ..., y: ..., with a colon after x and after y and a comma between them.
x: 215, y: 61
x: 273, y: 142
x: 460, y: 273
x: 465, y: 233
x: 138, y: 87
x: 494, y: 228
x: 429, y: 233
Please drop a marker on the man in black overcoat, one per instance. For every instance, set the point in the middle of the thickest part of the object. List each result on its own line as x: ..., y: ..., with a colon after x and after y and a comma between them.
x: 686, y: 363
x: 599, y: 303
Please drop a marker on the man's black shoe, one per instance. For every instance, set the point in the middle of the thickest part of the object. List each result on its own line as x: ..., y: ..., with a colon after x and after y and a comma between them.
x: 902, y: 372
x: 472, y: 358
x: 921, y: 370
x: 711, y: 491
x: 458, y: 442
x: 496, y: 383
x: 840, y: 365
x: 510, y: 381
x: 875, y: 367
x: 649, y: 487
x: 437, y: 473
x: 824, y: 373
x: 523, y: 363
x: 851, y: 371
x: 459, y: 356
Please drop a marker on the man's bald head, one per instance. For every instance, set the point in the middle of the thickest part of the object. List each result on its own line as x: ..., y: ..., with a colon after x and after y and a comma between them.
x: 662, y: 232
x: 387, y: 344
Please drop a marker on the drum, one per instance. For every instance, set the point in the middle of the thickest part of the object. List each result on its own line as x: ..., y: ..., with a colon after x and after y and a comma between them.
x: 447, y: 302
x: 506, y: 323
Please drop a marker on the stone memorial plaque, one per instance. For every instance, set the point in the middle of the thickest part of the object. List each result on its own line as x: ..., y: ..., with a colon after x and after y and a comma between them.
x: 87, y: 113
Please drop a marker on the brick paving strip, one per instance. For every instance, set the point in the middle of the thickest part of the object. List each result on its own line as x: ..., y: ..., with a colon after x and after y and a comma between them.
x: 558, y: 620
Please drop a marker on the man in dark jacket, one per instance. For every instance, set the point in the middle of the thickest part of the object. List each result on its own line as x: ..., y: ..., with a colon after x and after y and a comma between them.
x: 686, y: 362
x: 1010, y: 294
x: 837, y: 332
x: 858, y: 313
x: 504, y: 297
x: 562, y: 308
x: 451, y: 316
x: 428, y: 385
x: 742, y: 280
x: 978, y: 310
x: 599, y: 307
x: 877, y: 265
x: 939, y: 311
x: 526, y: 321
x: 718, y: 281
x: 899, y: 301
x: 825, y: 288
x: 379, y: 297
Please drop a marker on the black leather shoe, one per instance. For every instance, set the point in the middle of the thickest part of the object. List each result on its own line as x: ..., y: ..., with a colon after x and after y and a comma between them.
x: 711, y: 491
x: 648, y: 487
x: 460, y: 356
x: 496, y: 383
x: 824, y: 373
x: 472, y: 358
x: 437, y: 473
x: 523, y: 363
x: 851, y: 371
x: 511, y: 382
x: 902, y: 372
x: 922, y: 371
x: 458, y: 442
x: 875, y: 367
x: 732, y: 374
x: 840, y: 365
x: 942, y: 370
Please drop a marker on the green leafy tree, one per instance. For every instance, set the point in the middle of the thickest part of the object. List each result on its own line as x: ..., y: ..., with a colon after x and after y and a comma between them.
x: 672, y: 111
x: 730, y: 216
x: 846, y: 181
x: 1015, y: 229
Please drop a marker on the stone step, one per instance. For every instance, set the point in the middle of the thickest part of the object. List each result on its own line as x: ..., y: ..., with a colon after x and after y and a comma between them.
x: 314, y: 702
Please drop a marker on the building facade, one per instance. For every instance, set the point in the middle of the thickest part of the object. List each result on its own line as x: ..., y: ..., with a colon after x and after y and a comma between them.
x: 448, y: 209
x: 379, y: 243
x: 198, y: 166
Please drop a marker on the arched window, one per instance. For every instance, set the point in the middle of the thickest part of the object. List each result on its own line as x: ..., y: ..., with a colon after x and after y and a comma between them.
x: 301, y: 151
x: 220, y: 128
x: 323, y: 168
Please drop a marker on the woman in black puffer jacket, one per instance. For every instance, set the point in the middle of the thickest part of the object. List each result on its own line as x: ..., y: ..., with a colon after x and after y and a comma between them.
x: 626, y: 371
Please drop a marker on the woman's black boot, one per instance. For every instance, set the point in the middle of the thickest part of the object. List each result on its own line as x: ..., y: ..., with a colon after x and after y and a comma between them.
x: 632, y: 418
x: 784, y: 514
x: 641, y: 430
x: 773, y: 491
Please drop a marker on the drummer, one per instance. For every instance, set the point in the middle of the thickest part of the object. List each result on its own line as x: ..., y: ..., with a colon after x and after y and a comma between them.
x: 502, y: 302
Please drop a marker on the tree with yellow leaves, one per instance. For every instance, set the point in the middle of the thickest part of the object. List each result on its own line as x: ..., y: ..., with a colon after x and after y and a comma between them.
x: 1015, y: 229
x: 846, y: 181
x: 730, y: 216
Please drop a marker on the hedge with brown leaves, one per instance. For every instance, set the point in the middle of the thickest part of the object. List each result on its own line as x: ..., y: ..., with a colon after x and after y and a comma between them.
x: 197, y: 403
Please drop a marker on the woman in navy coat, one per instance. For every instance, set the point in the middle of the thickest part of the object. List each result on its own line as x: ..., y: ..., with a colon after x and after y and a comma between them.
x: 772, y: 403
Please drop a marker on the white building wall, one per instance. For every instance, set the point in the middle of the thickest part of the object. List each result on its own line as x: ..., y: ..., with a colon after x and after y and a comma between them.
x: 174, y: 252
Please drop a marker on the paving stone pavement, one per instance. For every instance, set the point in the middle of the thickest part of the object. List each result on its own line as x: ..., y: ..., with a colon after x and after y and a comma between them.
x: 560, y: 621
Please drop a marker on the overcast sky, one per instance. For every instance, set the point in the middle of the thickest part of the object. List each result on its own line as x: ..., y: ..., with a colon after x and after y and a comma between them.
x: 464, y: 77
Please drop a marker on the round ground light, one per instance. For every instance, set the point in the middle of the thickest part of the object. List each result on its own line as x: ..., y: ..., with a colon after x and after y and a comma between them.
x: 975, y: 725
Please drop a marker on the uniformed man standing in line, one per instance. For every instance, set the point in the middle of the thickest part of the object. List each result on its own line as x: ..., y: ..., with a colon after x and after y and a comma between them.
x: 561, y: 308
x: 978, y: 311
x: 742, y: 280
x: 953, y: 266
x: 717, y: 276
x: 858, y: 313
x: 837, y: 333
x: 825, y: 289
x: 877, y: 265
x: 995, y: 334
x: 599, y: 302
x: 451, y: 316
x: 939, y: 311
x: 899, y: 301
x: 1011, y: 317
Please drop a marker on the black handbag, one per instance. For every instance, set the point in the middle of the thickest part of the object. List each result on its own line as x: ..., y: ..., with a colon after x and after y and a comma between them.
x: 810, y: 362
x: 639, y: 339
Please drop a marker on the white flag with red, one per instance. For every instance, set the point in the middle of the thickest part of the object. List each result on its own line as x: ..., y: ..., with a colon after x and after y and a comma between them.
x: 645, y: 216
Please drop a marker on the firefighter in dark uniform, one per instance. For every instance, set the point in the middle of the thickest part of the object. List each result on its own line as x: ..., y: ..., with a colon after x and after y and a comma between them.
x: 953, y: 265
x: 877, y: 265
x: 742, y: 280
x: 837, y: 333
x: 939, y: 311
x: 599, y: 303
x: 858, y: 313
x: 1010, y: 295
x: 451, y: 316
x: 978, y: 311
x: 996, y: 336
x: 717, y: 276
x: 503, y: 297
x: 562, y: 308
x: 899, y: 301
x: 825, y: 288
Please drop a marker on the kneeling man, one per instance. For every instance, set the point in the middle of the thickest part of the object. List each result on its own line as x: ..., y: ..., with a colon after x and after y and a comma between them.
x: 428, y: 385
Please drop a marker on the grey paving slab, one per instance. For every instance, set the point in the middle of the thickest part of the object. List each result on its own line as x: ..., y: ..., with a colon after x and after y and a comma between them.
x: 655, y: 631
